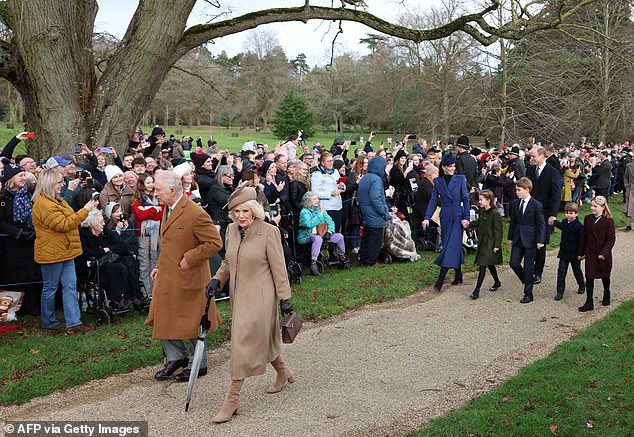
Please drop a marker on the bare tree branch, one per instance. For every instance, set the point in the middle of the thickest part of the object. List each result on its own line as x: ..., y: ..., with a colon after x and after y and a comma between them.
x: 202, y: 79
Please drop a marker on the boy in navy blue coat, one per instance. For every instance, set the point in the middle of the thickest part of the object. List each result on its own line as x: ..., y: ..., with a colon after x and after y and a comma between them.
x: 571, y: 230
x: 526, y: 235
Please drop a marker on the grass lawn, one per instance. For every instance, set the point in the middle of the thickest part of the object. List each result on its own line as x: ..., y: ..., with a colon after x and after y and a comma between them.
x: 36, y: 363
x: 584, y: 388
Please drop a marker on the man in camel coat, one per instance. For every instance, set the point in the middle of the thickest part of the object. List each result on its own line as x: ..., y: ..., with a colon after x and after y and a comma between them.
x: 188, y: 240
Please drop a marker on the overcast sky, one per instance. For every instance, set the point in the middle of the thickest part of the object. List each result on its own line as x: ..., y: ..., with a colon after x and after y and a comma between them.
x: 313, y: 39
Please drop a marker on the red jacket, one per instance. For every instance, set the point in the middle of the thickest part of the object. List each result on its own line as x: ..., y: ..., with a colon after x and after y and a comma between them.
x: 142, y: 214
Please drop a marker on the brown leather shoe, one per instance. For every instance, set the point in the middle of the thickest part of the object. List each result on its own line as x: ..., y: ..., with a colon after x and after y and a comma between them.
x: 170, y: 368
x: 184, y: 375
x: 79, y: 329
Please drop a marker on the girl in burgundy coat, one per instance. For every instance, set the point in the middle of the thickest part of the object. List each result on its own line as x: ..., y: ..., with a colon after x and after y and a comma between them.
x: 597, y: 241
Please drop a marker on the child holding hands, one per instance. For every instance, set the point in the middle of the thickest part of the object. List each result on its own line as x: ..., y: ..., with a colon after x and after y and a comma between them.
x: 597, y: 241
x: 489, y: 224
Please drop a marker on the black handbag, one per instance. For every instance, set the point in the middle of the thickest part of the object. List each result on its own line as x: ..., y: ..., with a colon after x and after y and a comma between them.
x: 291, y: 328
x: 110, y: 257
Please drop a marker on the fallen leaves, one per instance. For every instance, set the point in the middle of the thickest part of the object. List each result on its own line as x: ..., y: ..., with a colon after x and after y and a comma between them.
x: 553, y: 429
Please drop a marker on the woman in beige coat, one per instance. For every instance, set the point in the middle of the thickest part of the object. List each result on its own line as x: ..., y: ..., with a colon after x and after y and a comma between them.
x: 255, y: 268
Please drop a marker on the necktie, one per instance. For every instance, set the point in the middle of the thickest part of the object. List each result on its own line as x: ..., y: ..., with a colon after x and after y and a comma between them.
x: 537, y: 172
x: 169, y: 210
x: 522, y: 206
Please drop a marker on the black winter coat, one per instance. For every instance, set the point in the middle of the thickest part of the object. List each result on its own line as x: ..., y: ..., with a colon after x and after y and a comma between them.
x: 217, y: 199
x: 570, y: 238
x: 205, y: 179
x: 16, y: 255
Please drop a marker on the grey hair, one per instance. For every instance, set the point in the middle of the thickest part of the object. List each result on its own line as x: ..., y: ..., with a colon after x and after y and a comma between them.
x: 306, y: 198
x: 171, y: 180
x: 221, y: 171
x: 256, y: 209
x: 92, y: 219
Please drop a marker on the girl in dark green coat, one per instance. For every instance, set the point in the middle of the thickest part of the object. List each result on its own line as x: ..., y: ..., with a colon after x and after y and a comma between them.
x: 489, y: 224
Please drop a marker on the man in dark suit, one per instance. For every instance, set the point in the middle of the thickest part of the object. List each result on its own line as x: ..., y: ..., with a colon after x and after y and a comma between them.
x: 547, y: 184
x: 602, y: 174
x: 551, y: 156
x: 526, y: 235
x: 466, y: 164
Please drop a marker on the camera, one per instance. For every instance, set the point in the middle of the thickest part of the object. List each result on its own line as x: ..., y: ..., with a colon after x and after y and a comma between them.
x: 42, y: 162
x: 275, y: 211
x: 78, y: 173
x: 122, y: 218
x: 411, y: 137
x: 77, y: 150
x: 352, y: 141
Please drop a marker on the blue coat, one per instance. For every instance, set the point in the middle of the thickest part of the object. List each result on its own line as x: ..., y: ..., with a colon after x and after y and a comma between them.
x: 371, y: 195
x: 454, y: 201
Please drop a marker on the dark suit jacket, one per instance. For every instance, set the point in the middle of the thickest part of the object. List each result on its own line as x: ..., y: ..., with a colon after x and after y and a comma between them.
x: 602, y: 174
x: 554, y: 161
x: 546, y: 189
x: 529, y: 228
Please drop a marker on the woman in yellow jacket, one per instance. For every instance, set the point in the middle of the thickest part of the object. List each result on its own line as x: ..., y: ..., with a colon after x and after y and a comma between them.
x: 570, y: 174
x: 57, y: 243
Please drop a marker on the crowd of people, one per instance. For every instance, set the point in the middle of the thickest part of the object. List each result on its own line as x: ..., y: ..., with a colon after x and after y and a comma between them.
x: 174, y: 218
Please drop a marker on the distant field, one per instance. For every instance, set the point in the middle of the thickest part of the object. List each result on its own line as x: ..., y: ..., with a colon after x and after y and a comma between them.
x: 232, y: 139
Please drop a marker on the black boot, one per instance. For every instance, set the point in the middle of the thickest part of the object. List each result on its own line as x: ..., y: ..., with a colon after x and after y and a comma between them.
x: 475, y: 294
x: 606, y: 298
x: 495, y: 286
x: 314, y: 270
x: 344, y: 261
x: 528, y: 297
x: 589, y: 305
x: 559, y: 295
x: 457, y: 278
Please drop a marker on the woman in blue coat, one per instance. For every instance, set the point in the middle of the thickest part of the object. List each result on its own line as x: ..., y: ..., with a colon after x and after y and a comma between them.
x: 454, y: 217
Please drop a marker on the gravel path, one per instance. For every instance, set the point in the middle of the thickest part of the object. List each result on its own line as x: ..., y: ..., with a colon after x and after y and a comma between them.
x: 381, y: 370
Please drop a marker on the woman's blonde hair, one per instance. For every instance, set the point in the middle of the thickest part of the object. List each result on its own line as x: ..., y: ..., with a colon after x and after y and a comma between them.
x: 602, y: 201
x: 46, y: 184
x: 256, y: 209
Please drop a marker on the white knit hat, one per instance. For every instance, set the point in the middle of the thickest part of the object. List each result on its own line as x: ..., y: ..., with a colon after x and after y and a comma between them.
x: 111, y: 171
x: 109, y: 207
x: 182, y: 169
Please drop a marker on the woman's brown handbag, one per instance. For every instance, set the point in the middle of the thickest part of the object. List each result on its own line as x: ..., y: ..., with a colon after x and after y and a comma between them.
x: 322, y: 228
x: 291, y: 328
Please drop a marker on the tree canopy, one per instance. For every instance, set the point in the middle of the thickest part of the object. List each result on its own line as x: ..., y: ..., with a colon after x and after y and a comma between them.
x: 48, y: 53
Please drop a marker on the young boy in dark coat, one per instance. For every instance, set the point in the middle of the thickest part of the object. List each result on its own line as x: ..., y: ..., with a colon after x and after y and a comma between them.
x: 571, y: 230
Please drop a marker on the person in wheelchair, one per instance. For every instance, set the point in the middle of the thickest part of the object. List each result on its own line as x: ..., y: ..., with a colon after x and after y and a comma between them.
x: 312, y: 230
x: 117, y: 274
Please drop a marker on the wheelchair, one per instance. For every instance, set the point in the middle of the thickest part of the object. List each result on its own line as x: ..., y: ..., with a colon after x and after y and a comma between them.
x: 92, y: 297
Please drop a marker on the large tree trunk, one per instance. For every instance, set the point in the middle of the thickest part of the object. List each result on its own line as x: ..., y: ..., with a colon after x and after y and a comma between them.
x: 65, y: 101
x: 55, y: 74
